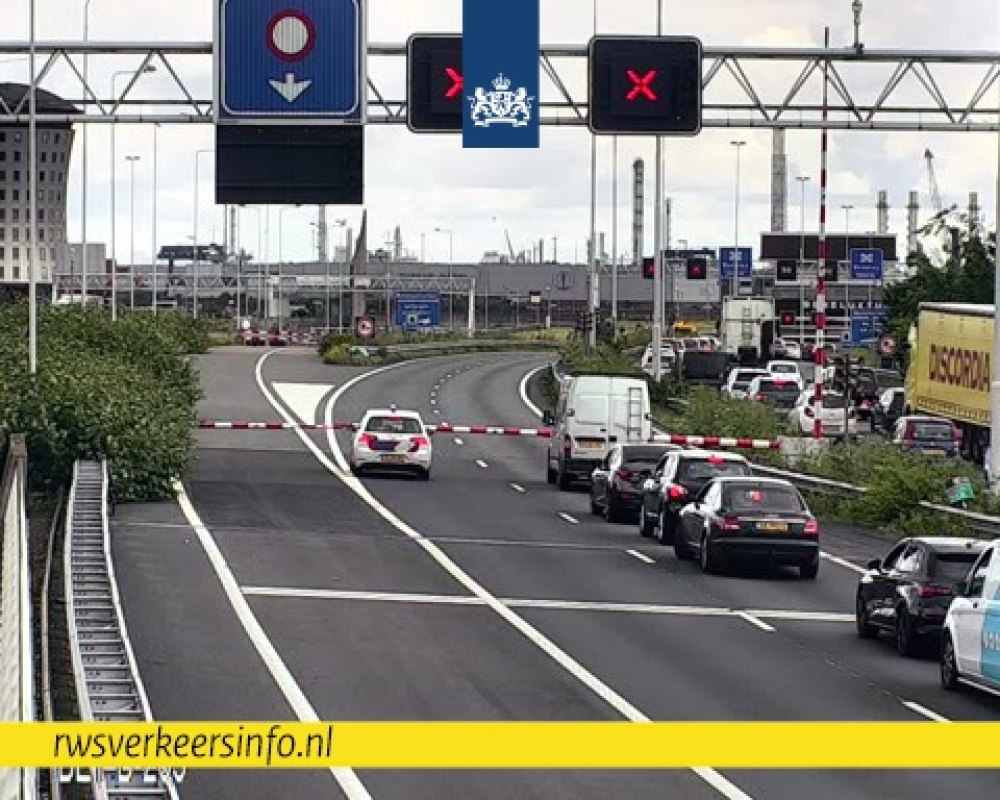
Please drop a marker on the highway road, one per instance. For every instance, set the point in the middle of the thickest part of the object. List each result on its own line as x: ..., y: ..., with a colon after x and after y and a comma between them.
x: 279, y: 587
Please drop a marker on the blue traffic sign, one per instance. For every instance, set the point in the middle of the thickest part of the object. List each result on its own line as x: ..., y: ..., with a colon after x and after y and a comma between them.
x: 418, y: 311
x: 298, y: 60
x: 726, y: 258
x: 866, y: 265
x: 867, y: 325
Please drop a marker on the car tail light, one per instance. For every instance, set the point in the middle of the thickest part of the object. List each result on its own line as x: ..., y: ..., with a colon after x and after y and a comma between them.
x: 367, y: 440
x: 731, y: 524
x: 934, y: 591
x: 419, y: 443
x: 568, y: 446
x: 677, y: 493
x: 715, y: 459
x: 760, y: 398
x: 812, y: 529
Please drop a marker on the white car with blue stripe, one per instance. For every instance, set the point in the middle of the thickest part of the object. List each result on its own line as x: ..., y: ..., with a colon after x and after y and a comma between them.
x: 970, y: 641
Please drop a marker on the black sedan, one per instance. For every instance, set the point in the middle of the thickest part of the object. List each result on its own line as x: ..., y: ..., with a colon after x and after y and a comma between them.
x: 672, y: 485
x: 749, y: 519
x: 908, y: 592
x: 616, y: 485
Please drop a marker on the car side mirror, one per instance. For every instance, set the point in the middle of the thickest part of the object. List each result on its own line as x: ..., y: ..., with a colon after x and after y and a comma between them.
x: 548, y: 418
x: 875, y: 564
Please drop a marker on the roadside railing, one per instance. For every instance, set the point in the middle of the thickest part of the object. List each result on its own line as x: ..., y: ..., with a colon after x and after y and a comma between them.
x: 17, y: 666
x: 458, y: 345
x: 108, y: 687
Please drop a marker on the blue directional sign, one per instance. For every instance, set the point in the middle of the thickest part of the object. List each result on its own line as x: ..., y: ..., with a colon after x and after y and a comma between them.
x: 726, y: 259
x: 867, y: 325
x: 418, y: 311
x: 866, y: 265
x: 292, y: 59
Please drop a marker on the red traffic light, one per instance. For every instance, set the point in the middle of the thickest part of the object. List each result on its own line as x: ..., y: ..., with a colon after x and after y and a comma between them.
x: 641, y: 85
x: 696, y: 269
x: 787, y: 318
x: 648, y: 268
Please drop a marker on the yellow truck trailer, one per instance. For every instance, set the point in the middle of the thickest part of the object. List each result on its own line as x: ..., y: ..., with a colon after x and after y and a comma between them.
x: 950, y: 369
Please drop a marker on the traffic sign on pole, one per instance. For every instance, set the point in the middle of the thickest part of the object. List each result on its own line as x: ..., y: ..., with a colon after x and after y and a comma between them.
x: 726, y: 259
x: 292, y: 61
x: 866, y: 264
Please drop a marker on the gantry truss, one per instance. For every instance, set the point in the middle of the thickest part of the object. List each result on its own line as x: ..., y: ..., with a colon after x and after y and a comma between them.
x: 103, y: 282
x: 744, y: 87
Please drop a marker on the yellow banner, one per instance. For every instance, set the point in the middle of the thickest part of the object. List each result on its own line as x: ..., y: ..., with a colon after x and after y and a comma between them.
x: 499, y: 745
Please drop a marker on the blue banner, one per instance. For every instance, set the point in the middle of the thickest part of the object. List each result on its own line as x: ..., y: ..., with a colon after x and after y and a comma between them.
x: 501, y: 43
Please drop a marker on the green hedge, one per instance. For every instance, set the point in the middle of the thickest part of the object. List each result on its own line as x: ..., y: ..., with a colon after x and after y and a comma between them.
x: 121, y: 391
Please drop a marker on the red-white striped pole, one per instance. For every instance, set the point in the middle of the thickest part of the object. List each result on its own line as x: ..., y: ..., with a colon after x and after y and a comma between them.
x: 820, y: 351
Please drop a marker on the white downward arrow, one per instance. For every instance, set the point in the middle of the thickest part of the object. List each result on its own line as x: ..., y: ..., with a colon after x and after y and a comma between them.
x: 290, y: 88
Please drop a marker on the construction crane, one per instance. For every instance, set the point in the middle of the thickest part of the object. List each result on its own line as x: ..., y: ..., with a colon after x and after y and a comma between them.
x: 510, y: 247
x: 932, y: 180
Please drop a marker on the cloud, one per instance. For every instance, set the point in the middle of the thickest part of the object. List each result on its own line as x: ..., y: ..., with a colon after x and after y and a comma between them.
x: 423, y: 182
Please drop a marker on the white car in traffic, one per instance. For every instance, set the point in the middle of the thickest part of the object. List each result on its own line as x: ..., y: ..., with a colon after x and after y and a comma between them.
x: 803, y: 416
x: 970, y: 641
x: 389, y: 440
x: 739, y: 381
x: 789, y: 370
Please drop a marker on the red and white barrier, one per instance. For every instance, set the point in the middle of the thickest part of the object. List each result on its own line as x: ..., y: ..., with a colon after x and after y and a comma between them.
x: 717, y: 441
x: 486, y: 430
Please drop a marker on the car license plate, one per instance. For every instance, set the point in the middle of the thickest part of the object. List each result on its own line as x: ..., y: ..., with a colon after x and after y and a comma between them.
x: 393, y: 459
x: 775, y: 527
x: 591, y: 445
x: 933, y: 451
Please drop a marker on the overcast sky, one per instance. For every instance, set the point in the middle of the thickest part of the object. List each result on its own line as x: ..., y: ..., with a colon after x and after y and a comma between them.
x: 423, y: 182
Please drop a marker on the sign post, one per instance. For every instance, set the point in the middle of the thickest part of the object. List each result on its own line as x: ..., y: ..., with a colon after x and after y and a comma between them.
x: 867, y: 265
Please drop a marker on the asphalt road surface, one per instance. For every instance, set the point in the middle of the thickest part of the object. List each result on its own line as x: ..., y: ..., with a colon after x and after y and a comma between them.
x: 485, y: 594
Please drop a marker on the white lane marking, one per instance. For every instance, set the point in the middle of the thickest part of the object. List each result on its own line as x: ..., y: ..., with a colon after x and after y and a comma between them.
x: 924, y: 711
x: 642, y: 557
x: 303, y: 398
x: 843, y: 563
x: 459, y: 441
x: 523, y: 390
x: 434, y: 402
x: 755, y: 621
x: 348, y: 780
x: 570, y: 519
x: 802, y: 616
x: 518, y: 488
x: 437, y: 412
x: 482, y: 464
x: 517, y: 602
x: 717, y: 781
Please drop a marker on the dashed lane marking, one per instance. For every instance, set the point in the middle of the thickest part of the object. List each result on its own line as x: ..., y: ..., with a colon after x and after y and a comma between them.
x: 568, y: 518
x: 338, y: 468
x: 459, y: 441
x: 843, y: 563
x: 482, y: 464
x: 518, y: 488
x: 641, y: 556
x: 923, y: 711
x: 756, y: 621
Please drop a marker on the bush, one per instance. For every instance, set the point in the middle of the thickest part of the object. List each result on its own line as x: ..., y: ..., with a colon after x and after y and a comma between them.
x: 120, y: 391
x: 710, y: 414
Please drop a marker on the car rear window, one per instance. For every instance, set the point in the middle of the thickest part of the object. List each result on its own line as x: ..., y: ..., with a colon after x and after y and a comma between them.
x: 785, y: 369
x: 935, y: 431
x: 643, y: 455
x: 953, y: 566
x: 393, y: 425
x: 785, y: 388
x: 763, y: 498
x: 745, y: 378
x: 703, y: 470
x: 832, y: 401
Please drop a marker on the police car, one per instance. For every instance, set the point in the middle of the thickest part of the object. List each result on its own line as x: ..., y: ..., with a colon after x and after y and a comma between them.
x: 970, y: 642
x: 390, y: 440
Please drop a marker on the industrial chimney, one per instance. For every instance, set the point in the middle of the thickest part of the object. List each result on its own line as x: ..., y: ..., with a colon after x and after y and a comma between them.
x: 883, y: 212
x: 912, y: 216
x: 779, y: 182
x: 638, y: 211
x: 973, y: 213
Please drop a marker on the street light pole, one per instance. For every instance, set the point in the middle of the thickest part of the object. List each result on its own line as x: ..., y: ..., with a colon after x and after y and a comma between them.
x: 736, y: 220
x: 33, y: 226
x: 83, y: 144
x: 196, y: 261
x: 131, y: 259
x: 156, y: 127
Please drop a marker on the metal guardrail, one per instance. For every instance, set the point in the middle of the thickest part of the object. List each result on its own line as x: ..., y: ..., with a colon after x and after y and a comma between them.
x: 17, y: 665
x: 107, y: 680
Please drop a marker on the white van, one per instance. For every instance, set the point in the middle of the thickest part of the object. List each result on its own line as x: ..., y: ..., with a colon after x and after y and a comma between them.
x: 593, y: 413
x: 970, y: 641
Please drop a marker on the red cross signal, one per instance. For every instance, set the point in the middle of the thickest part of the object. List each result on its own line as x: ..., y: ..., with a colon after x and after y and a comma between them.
x: 641, y: 85
x: 456, y: 83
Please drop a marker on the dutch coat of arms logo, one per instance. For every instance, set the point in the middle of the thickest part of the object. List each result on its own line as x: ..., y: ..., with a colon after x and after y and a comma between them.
x: 501, y: 106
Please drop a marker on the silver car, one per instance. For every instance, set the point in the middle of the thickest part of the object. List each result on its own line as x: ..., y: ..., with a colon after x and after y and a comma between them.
x: 389, y: 440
